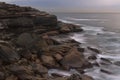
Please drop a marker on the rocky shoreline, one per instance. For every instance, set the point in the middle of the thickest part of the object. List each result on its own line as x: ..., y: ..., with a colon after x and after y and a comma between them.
x: 27, y: 51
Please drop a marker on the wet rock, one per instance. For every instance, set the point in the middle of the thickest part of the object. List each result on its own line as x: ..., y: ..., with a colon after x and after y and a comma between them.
x: 105, y: 71
x: 85, y: 77
x: 65, y: 27
x: 106, y: 61
x: 92, y: 57
x: 74, y: 77
x: 75, y: 59
x: 94, y: 50
x: 8, y: 54
x: 117, y: 63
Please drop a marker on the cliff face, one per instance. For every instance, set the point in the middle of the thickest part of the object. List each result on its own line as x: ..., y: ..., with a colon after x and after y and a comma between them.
x: 15, y: 16
x: 28, y: 51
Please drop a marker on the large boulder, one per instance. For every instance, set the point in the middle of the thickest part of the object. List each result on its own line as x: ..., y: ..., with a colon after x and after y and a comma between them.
x: 66, y: 27
x: 75, y: 59
x: 8, y: 54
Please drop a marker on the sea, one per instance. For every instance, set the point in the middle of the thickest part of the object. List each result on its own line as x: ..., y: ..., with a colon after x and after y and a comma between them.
x: 101, y: 31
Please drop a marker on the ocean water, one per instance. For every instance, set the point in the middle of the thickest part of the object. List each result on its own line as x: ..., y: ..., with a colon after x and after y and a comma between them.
x: 102, y: 31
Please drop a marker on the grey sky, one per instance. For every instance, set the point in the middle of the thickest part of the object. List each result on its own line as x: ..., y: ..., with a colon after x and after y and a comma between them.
x: 71, y: 5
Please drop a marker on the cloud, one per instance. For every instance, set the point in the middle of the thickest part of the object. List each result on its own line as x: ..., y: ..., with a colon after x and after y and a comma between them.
x: 69, y: 4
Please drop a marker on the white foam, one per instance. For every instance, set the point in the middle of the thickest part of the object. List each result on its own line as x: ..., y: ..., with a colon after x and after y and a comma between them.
x: 79, y: 37
x: 91, y: 28
x: 66, y: 21
x: 115, y: 57
x: 85, y: 19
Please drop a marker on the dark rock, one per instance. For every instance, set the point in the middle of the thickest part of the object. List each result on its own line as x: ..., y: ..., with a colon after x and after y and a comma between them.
x: 65, y: 27
x: 75, y: 59
x: 8, y: 54
x: 48, y: 20
x: 74, y: 77
x: 38, y: 68
x: 117, y: 63
x: 26, y: 40
x: 105, y: 60
x: 94, y: 50
x: 21, y: 22
x: 92, y: 57
x: 22, y: 72
x: 105, y: 71
x: 2, y: 76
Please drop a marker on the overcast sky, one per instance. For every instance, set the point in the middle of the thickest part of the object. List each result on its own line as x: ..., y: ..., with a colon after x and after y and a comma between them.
x: 71, y: 5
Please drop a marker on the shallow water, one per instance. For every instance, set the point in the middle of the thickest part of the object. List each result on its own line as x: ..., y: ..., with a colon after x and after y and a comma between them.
x: 102, y: 31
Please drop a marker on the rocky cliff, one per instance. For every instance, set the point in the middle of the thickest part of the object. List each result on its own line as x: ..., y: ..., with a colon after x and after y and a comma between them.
x: 28, y: 51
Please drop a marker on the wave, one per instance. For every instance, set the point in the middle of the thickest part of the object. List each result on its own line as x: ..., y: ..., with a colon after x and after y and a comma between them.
x: 77, y: 19
x: 66, y: 21
x: 92, y: 28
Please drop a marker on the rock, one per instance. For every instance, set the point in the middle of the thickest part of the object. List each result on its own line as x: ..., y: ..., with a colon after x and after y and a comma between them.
x: 11, y: 77
x: 106, y: 61
x: 21, y: 22
x: 8, y: 54
x: 74, y: 77
x: 58, y: 57
x: 38, y: 68
x: 22, y: 72
x: 59, y: 78
x: 66, y: 27
x: 2, y: 76
x: 85, y: 77
x: 44, y: 42
x: 26, y: 40
x: 50, y: 21
x: 105, y: 71
x: 75, y: 59
x: 92, y: 57
x: 117, y: 63
x: 94, y: 50
x: 48, y: 61
x: 52, y: 33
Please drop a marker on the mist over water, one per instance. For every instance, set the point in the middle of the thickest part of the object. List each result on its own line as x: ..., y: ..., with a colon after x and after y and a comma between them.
x: 102, y: 31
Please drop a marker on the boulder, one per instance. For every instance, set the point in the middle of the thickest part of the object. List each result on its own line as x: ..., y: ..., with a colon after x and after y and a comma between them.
x: 26, y: 40
x: 8, y: 54
x: 75, y: 59
x: 94, y: 50
x: 48, y: 61
x: 66, y: 27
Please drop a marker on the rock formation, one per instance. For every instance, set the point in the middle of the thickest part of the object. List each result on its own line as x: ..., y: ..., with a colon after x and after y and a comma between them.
x: 27, y: 50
